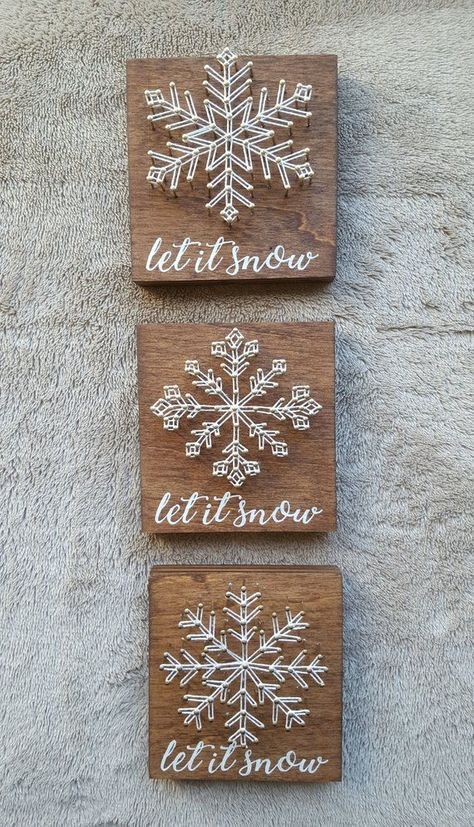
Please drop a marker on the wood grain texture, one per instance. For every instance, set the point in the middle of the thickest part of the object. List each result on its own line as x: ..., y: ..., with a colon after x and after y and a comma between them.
x: 305, y: 221
x: 317, y: 590
x: 305, y: 478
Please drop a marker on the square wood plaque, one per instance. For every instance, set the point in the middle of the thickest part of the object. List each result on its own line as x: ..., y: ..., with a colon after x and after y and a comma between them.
x: 176, y: 239
x: 237, y: 427
x: 245, y: 673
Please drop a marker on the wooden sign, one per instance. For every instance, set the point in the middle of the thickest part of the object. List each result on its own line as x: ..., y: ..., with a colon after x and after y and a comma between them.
x: 232, y: 171
x: 245, y: 673
x: 237, y: 427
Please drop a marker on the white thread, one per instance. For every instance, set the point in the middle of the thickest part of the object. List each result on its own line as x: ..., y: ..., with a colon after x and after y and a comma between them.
x: 229, y: 135
x: 251, y: 676
x: 236, y: 407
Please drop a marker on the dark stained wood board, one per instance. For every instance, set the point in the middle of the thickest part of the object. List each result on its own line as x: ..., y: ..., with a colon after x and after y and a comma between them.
x: 315, y: 590
x: 305, y: 478
x: 303, y: 222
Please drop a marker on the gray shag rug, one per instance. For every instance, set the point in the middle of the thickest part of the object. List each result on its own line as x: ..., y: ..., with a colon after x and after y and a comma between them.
x: 74, y: 565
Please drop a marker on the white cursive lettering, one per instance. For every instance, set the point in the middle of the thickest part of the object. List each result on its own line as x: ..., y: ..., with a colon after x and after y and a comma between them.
x: 194, y: 757
x: 232, y: 508
x: 199, y: 257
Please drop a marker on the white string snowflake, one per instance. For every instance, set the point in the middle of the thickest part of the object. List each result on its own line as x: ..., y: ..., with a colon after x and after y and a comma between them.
x: 238, y: 407
x: 231, y: 136
x: 248, y: 677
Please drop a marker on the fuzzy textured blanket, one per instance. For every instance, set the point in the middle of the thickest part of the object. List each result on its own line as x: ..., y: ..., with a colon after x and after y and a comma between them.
x: 74, y: 565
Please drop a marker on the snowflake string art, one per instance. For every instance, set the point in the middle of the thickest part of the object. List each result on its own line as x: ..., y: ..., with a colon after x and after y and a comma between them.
x: 232, y: 136
x: 246, y: 674
x: 239, y: 407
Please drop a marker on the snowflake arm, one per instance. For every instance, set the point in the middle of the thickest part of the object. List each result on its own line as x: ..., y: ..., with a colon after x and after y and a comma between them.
x: 263, y: 382
x: 205, y: 703
x: 284, y: 704
x: 265, y: 436
x: 297, y: 410
x: 163, y: 109
x: 174, y: 406
x: 273, y: 116
x: 211, y: 384
x: 171, y: 166
x: 205, y: 633
x: 234, y: 356
x: 243, y: 718
x: 297, y: 669
x: 189, y: 667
